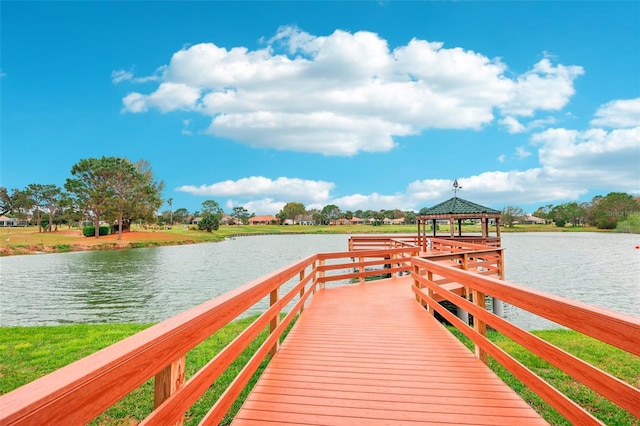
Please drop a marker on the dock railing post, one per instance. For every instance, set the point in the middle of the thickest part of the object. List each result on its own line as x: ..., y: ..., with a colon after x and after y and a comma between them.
x: 273, y: 299
x: 302, y: 273
x: 416, y: 283
x: 167, y: 382
x: 321, y: 275
x: 479, y: 326
x: 498, y: 305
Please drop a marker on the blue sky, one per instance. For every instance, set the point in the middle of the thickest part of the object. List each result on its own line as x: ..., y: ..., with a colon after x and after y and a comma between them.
x: 366, y: 105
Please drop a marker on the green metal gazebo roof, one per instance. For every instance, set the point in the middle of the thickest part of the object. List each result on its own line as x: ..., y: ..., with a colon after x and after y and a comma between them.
x: 459, y: 207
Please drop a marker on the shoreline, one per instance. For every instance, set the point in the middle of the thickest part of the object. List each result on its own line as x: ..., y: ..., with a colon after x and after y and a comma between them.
x: 28, y: 241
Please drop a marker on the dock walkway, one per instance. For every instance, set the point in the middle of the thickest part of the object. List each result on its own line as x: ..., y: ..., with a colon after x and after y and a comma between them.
x: 369, y: 354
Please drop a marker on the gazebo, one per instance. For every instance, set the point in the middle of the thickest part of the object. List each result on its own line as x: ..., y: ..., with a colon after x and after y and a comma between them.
x: 459, y: 209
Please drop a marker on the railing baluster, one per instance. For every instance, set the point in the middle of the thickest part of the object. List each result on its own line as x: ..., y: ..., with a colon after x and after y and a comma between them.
x: 302, y: 274
x: 273, y: 299
x: 167, y: 382
x: 479, y: 326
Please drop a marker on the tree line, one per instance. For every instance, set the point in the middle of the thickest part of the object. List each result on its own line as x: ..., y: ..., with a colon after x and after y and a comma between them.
x: 118, y: 191
x: 603, y: 212
x: 107, y: 189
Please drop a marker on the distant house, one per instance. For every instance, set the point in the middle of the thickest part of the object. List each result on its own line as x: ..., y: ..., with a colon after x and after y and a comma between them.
x: 306, y: 220
x: 263, y: 220
x: 226, y: 220
x: 8, y: 221
x: 532, y: 220
x: 356, y: 221
x: 399, y: 221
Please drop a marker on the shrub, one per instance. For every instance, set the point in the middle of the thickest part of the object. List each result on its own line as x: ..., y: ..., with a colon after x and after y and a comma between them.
x: 90, y: 231
x: 209, y: 223
x: 630, y: 225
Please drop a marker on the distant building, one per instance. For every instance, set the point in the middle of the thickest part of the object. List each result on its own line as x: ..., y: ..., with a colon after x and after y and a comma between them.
x: 357, y: 221
x: 8, y: 221
x: 306, y: 220
x: 399, y: 221
x: 263, y: 220
x: 532, y: 220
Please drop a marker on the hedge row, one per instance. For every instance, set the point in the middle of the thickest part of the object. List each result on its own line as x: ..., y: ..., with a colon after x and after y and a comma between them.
x: 90, y: 231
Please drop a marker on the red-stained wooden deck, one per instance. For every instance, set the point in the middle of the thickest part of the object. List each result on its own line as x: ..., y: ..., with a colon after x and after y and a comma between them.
x: 369, y: 354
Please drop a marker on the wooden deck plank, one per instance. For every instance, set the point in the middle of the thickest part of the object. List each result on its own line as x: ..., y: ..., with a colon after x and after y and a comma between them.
x: 369, y: 354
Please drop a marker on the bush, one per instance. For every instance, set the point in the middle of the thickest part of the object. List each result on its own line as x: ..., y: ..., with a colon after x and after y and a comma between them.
x: 90, y: 231
x: 630, y: 225
x: 209, y: 223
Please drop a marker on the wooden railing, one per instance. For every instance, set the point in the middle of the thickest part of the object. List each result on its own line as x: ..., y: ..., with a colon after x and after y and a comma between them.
x: 78, y: 393
x: 369, y: 242
x: 619, y: 330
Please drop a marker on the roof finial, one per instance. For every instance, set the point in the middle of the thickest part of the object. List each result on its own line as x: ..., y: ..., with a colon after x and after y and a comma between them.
x: 456, y: 187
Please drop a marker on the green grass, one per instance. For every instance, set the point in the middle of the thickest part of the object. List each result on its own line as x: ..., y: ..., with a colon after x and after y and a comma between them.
x: 32, y: 352
x: 616, y: 362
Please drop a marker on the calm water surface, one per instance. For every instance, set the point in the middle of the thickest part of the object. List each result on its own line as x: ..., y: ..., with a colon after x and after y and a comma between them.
x: 150, y: 285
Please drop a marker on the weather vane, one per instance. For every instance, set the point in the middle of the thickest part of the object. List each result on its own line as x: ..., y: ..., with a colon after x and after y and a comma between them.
x: 456, y: 187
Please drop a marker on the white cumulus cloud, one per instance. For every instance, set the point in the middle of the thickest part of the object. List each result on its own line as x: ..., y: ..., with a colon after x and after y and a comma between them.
x: 282, y: 188
x: 346, y: 93
x: 618, y: 114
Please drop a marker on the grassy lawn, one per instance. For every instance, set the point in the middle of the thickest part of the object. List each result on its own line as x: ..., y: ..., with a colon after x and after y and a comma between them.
x: 32, y: 352
x: 616, y: 362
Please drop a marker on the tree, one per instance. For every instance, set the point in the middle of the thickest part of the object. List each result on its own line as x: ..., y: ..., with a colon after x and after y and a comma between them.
x: 209, y: 222
x: 6, y: 204
x: 52, y: 197
x: 126, y: 183
x: 559, y: 215
x: 511, y: 214
x: 116, y: 187
x: 409, y: 217
x: 68, y: 210
x: 574, y: 213
x: 44, y: 197
x: 293, y: 211
x: 331, y: 212
x: 318, y: 217
x: 170, y: 202
x: 91, y: 187
x: 612, y: 208
x: 212, y: 206
x: 18, y: 203
x: 181, y: 215
x: 149, y: 194
x: 241, y: 215
x: 379, y: 217
x: 543, y: 212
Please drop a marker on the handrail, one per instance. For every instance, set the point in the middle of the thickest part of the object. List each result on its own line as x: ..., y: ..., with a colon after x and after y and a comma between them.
x: 619, y: 330
x: 79, y: 392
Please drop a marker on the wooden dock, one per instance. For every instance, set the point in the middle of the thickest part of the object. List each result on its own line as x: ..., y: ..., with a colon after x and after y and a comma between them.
x: 368, y: 354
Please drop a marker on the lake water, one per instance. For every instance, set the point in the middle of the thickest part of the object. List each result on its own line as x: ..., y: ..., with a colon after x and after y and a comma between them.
x: 152, y: 284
